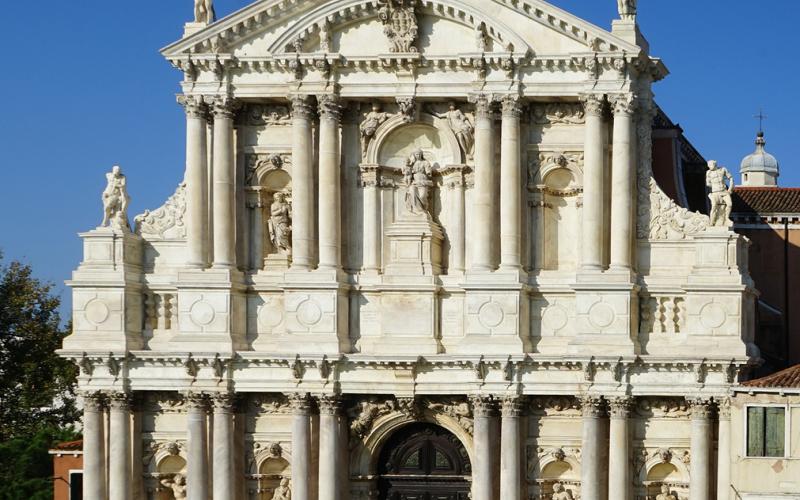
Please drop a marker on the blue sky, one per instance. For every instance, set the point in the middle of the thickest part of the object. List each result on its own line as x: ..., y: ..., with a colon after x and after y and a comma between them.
x: 83, y: 88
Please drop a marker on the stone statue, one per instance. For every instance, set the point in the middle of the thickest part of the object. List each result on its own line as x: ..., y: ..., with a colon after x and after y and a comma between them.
x: 177, y: 484
x: 370, y: 125
x: 461, y: 127
x: 115, y: 200
x: 480, y: 37
x: 561, y: 493
x: 627, y: 9
x: 280, y: 224
x: 204, y: 11
x: 720, y: 196
x: 283, y: 491
x: 417, y: 175
x: 666, y: 494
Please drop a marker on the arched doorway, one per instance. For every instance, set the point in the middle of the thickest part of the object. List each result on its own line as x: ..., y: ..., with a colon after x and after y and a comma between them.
x: 424, y: 462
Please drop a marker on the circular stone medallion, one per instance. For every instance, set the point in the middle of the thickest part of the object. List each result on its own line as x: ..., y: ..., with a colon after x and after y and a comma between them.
x: 309, y: 313
x: 554, y: 318
x: 96, y: 312
x: 491, y: 315
x: 201, y: 313
x: 712, y: 316
x: 270, y: 315
x: 601, y: 315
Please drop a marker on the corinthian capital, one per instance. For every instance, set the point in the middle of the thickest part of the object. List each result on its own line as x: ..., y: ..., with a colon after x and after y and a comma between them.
x: 624, y: 104
x: 300, y: 403
x: 223, y: 402
x: 701, y: 408
x: 512, y: 108
x: 301, y: 107
x: 511, y: 407
x: 483, y: 105
x: 483, y: 406
x: 93, y: 401
x: 330, y: 107
x: 120, y: 401
x: 193, y: 105
x: 620, y: 407
x: 329, y: 405
x: 224, y: 107
x: 593, y: 406
x: 593, y: 104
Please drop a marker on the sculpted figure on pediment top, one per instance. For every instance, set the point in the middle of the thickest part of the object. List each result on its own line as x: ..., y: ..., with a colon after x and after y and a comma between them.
x: 116, y: 200
x: 720, y: 196
x: 204, y: 11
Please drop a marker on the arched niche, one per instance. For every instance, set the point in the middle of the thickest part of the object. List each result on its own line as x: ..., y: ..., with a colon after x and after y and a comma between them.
x: 552, y: 468
x: 560, y: 189
x: 396, y: 139
x: 271, y: 471
x: 168, y: 467
x: 672, y: 472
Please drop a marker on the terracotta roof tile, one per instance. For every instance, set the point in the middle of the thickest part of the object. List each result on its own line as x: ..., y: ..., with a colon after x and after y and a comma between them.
x: 766, y: 200
x: 69, y: 446
x: 786, y: 379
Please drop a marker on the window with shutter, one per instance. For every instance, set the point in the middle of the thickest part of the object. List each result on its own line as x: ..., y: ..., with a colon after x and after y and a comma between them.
x: 766, y: 431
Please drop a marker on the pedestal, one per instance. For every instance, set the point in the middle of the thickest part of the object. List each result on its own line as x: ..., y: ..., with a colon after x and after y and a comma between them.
x: 415, y: 247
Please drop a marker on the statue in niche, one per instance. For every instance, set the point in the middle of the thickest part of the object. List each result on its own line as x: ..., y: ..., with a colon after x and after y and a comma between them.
x: 627, y: 9
x: 283, y: 491
x: 369, y: 126
x: 280, y: 224
x: 461, y: 127
x: 720, y: 196
x: 325, y: 37
x: 480, y: 37
x: 116, y: 200
x: 666, y: 494
x: 204, y: 11
x: 561, y: 493
x: 417, y: 174
x: 176, y: 483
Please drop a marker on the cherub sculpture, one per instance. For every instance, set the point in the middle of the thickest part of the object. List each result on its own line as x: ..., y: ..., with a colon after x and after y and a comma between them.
x: 177, y: 483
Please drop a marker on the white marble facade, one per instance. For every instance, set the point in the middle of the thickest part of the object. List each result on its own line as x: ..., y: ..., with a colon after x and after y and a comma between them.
x: 405, y: 211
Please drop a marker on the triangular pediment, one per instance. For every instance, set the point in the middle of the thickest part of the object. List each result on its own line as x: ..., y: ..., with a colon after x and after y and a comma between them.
x: 355, y: 28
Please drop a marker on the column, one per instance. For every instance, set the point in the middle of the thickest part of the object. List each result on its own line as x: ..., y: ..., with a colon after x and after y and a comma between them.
x: 223, y: 482
x: 724, y: 451
x: 592, y: 466
x: 119, y: 447
x: 510, y: 186
x: 256, y: 206
x: 330, y: 159
x: 485, y: 181
x: 301, y: 446
x: 224, y: 192
x: 700, y: 471
x: 593, y: 185
x: 510, y: 453
x: 619, y: 468
x: 623, y: 171
x: 302, y: 186
x: 455, y: 181
x: 483, y: 409
x: 197, y: 444
x: 196, y: 180
x: 94, y: 460
x: 329, y: 448
x: 370, y: 181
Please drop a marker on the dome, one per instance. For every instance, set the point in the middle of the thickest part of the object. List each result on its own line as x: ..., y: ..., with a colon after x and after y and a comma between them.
x: 760, y: 161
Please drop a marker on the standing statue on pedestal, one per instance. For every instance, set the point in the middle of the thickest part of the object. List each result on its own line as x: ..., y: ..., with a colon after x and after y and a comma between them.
x: 461, y: 127
x: 115, y: 200
x: 177, y: 484
x: 720, y: 196
x: 284, y: 491
x: 417, y: 174
x: 627, y: 9
x: 280, y: 224
x: 560, y: 493
x: 666, y: 494
x: 204, y: 11
x: 369, y: 126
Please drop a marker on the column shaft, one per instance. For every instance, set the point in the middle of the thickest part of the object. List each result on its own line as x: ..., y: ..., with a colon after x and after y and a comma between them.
x: 593, y: 184
x: 510, y: 454
x: 302, y: 186
x: 223, y: 482
x: 196, y: 181
x: 301, y: 447
x: 623, y: 169
x: 257, y: 231
x: 619, y: 451
x: 483, y: 468
x: 700, y: 471
x: 458, y: 224
x: 224, y: 192
x: 94, y: 460
x: 329, y: 451
x: 724, y: 452
x: 510, y: 186
x: 197, y: 444
x: 330, y: 222
x: 592, y: 466
x: 485, y: 181
x: 370, y: 180
x: 119, y: 449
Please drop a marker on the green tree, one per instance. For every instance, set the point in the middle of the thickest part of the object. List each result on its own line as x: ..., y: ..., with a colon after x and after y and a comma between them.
x: 37, y: 387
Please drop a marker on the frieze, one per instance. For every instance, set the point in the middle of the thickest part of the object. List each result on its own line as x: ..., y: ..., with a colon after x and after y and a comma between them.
x: 558, y: 114
x: 662, y: 408
x: 270, y: 404
x: 268, y: 115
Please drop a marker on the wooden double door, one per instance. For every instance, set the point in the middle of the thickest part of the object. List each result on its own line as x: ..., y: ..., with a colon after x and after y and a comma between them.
x: 424, y: 462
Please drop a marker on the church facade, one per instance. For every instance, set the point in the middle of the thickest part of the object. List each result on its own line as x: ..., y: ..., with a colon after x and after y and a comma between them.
x: 418, y: 253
